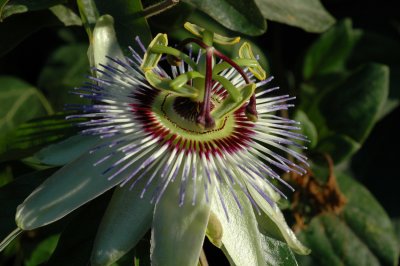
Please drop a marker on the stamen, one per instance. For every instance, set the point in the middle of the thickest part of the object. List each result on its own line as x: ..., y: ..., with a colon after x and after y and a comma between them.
x: 251, y: 110
x: 141, y: 45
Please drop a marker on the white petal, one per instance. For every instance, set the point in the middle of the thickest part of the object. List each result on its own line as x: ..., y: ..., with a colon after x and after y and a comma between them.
x: 277, y: 226
x: 240, y: 237
x: 178, y: 232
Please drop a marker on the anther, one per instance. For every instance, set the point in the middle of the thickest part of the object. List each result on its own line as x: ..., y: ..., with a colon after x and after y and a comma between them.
x: 251, y: 110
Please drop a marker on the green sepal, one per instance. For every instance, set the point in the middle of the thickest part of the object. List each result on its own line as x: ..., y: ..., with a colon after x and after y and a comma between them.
x: 151, y: 59
x: 66, y: 151
x: 127, y: 218
x: 182, y: 79
x: 229, y: 105
x: 69, y: 188
x: 234, y: 92
x: 199, y: 32
x: 164, y: 84
x: 242, y: 62
x: 246, y: 52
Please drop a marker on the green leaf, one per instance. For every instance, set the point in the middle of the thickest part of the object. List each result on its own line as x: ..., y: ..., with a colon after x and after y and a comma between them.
x: 341, y: 48
x: 13, y: 194
x: 339, y: 146
x: 89, y: 15
x: 19, y: 102
x: 330, y: 52
x: 363, y: 226
x: 237, y: 15
x: 5, y: 175
x: 242, y: 241
x: 22, y: 6
x: 42, y: 251
x: 345, y: 113
x: 396, y: 225
x: 309, y: 15
x: 367, y: 218
x: 393, y: 100
x: 307, y: 128
x: 65, y: 69
x: 66, y: 15
x: 31, y: 136
x: 333, y: 242
x: 377, y: 47
x: 129, y: 21
x: 383, y: 49
x: 3, y: 3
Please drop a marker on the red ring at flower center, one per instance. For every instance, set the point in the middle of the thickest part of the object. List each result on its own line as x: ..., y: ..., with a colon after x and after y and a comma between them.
x: 154, y: 114
x: 192, y: 112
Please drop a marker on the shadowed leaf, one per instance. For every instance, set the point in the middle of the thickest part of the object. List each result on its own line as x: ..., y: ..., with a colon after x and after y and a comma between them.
x: 309, y: 15
x: 363, y: 226
x: 237, y: 15
x: 19, y: 102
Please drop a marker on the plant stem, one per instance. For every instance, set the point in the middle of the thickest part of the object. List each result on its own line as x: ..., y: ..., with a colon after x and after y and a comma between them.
x: 158, y: 8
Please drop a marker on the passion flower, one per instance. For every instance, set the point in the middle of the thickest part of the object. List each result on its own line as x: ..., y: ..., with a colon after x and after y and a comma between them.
x: 177, y: 141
